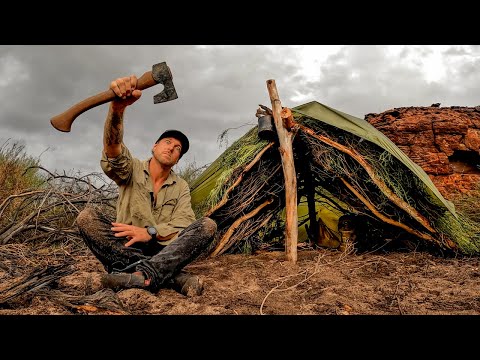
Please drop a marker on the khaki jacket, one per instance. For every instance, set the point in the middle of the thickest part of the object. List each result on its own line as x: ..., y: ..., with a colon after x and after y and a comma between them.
x: 173, y: 211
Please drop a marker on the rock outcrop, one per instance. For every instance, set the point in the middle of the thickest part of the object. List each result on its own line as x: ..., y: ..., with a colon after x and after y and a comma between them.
x: 444, y: 141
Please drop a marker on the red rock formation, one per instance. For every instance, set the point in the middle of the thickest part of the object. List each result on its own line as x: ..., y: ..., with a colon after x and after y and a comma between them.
x: 444, y: 141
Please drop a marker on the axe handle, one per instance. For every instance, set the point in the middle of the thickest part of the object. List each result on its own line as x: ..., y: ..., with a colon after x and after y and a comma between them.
x: 63, y: 122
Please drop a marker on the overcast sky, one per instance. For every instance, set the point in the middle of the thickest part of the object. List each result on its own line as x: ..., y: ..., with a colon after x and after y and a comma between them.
x: 219, y: 88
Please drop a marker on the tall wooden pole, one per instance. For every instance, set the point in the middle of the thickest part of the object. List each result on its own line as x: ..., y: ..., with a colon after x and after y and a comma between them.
x: 286, y: 154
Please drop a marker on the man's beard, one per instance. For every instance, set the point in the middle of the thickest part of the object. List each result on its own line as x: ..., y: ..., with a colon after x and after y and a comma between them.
x: 165, y: 160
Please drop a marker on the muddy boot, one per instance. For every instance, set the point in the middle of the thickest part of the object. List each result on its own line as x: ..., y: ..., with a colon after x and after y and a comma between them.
x: 119, y: 281
x: 187, y: 284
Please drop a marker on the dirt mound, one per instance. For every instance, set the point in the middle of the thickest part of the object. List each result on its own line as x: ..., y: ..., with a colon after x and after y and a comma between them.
x: 322, y: 282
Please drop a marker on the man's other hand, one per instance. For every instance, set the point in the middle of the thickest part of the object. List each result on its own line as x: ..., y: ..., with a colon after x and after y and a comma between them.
x: 133, y: 233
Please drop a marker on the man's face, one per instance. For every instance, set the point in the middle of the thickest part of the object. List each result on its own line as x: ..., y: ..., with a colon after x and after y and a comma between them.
x: 167, y: 151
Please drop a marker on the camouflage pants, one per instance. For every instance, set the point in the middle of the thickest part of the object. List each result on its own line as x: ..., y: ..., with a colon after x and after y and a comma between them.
x: 159, y: 263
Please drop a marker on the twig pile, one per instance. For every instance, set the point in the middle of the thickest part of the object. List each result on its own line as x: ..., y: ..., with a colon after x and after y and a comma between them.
x: 39, y: 239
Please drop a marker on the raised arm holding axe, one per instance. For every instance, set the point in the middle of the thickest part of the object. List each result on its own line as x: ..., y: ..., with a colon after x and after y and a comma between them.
x: 155, y: 233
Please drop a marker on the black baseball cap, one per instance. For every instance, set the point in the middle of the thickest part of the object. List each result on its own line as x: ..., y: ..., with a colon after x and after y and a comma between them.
x: 177, y: 135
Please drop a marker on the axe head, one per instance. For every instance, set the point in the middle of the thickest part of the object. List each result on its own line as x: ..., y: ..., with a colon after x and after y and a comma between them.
x: 161, y: 74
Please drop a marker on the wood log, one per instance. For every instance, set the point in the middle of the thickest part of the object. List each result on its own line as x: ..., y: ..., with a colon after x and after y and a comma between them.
x: 286, y: 154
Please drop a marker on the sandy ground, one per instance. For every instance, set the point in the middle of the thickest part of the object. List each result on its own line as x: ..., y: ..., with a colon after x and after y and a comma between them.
x: 322, y: 282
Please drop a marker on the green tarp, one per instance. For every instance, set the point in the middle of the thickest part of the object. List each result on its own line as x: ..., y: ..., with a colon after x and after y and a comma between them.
x: 209, y: 187
x: 359, y: 127
x: 365, y: 130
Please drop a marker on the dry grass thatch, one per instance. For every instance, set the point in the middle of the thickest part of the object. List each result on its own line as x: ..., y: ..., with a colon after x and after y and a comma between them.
x: 338, y: 174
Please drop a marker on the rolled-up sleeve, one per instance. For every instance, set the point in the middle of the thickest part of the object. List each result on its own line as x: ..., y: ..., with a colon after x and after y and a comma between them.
x: 120, y: 168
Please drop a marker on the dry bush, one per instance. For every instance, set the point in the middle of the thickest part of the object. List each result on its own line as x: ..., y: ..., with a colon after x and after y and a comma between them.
x: 14, y: 177
x: 37, y: 205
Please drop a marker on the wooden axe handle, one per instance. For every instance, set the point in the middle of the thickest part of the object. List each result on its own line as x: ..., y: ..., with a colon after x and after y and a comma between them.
x: 63, y: 122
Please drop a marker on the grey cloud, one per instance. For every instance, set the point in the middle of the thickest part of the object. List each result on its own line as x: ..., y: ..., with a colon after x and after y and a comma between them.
x: 219, y: 88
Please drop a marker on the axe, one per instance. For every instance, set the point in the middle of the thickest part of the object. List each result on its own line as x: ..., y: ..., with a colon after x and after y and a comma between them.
x: 160, y: 74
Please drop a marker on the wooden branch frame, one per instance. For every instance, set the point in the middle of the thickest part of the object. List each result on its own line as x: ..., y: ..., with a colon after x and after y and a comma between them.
x: 286, y: 154
x: 235, y: 225
x: 383, y: 187
x: 239, y: 179
x: 378, y: 214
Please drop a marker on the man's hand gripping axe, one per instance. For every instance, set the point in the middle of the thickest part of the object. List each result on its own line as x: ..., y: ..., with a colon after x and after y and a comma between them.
x: 160, y: 74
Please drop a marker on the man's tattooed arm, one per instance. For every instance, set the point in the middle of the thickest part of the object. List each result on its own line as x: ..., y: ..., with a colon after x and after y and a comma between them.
x: 113, y: 132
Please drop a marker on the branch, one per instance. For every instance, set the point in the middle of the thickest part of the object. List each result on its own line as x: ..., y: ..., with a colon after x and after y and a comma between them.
x: 383, y: 187
x: 235, y: 225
